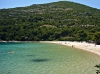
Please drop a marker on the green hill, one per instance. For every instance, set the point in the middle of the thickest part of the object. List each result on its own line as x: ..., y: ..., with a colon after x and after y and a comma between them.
x: 61, y: 20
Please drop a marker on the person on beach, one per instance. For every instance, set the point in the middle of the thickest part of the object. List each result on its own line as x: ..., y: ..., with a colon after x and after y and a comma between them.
x: 95, y: 44
x: 72, y: 46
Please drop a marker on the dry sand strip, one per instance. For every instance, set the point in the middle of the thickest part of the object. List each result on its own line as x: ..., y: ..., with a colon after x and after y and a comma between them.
x: 80, y: 45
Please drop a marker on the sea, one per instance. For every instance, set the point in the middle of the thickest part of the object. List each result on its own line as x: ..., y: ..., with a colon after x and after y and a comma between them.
x: 45, y: 58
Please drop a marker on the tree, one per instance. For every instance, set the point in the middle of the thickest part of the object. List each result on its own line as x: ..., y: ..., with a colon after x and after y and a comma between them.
x: 81, y: 35
x: 98, y: 71
x: 96, y: 36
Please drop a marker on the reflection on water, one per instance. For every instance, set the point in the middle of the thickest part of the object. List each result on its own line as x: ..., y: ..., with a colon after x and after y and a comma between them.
x: 30, y: 55
x: 41, y: 58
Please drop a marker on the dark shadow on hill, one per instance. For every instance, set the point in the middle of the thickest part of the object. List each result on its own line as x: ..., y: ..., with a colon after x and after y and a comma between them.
x: 97, y: 42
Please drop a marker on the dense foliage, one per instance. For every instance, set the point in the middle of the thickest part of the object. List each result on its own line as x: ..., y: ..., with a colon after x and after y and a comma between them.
x: 98, y: 71
x: 53, y: 21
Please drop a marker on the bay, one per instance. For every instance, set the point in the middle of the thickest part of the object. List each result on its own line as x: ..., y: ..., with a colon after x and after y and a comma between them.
x: 45, y: 58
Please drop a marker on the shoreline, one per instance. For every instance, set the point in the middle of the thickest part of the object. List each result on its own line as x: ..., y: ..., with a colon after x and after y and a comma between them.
x: 80, y: 45
x: 18, y: 41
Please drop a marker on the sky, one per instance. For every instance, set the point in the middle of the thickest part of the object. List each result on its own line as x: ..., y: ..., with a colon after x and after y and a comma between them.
x: 22, y: 3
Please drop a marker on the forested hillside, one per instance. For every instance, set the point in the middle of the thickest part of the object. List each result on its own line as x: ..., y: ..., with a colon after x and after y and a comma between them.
x: 61, y: 20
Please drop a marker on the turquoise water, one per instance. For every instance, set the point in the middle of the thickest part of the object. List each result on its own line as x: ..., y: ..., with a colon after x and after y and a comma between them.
x: 45, y: 58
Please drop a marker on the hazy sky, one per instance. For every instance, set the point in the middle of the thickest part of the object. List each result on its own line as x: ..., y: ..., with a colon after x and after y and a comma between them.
x: 22, y: 3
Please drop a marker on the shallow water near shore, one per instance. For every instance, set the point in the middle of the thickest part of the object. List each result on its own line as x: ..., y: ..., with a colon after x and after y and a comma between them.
x: 45, y: 58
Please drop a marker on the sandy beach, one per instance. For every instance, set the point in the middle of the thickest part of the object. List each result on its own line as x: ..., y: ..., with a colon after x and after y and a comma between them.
x: 80, y: 45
